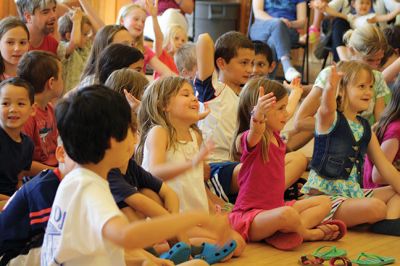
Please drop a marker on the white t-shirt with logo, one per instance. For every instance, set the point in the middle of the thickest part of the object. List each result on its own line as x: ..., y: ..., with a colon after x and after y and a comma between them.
x: 83, y: 204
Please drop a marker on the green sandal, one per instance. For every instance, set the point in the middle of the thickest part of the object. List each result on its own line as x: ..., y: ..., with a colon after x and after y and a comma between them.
x: 329, y: 252
x: 365, y: 259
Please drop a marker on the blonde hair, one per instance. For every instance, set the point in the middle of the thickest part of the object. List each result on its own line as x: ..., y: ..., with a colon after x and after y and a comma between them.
x: 132, y: 81
x: 152, y: 111
x: 123, y: 12
x: 185, y: 57
x: 351, y: 70
x: 247, y: 100
x: 170, y: 35
x: 367, y: 40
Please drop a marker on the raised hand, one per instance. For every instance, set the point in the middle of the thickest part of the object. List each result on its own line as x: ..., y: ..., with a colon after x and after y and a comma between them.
x: 151, y: 7
x: 264, y: 103
x: 133, y: 102
x: 334, y: 78
x: 295, y: 85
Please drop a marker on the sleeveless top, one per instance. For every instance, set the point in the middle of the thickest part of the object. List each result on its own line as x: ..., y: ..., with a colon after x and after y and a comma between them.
x: 189, y: 186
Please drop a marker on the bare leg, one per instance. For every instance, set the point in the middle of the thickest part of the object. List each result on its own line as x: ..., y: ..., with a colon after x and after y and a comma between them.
x: 312, y: 211
x: 266, y: 223
x: 358, y: 211
x: 295, y: 165
x: 392, y: 200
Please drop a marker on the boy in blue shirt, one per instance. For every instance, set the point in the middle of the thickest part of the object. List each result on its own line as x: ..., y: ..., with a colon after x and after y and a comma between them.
x: 16, y: 149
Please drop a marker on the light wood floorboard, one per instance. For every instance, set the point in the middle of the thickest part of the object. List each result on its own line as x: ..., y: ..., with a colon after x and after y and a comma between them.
x: 354, y: 242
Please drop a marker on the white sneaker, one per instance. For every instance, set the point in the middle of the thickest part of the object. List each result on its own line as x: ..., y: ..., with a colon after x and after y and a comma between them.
x: 291, y: 74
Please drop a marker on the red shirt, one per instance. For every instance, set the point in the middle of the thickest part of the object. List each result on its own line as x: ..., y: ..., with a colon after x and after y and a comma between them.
x: 49, y: 44
x: 42, y: 129
x: 168, y: 61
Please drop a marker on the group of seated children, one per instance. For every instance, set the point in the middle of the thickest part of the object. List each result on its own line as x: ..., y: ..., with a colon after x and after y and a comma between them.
x: 190, y: 167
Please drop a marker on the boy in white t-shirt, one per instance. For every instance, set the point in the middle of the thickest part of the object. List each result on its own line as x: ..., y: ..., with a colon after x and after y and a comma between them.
x: 86, y: 227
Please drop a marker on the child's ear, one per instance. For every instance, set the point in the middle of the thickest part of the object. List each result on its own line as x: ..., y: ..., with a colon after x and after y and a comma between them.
x: 271, y: 67
x: 60, y: 154
x: 68, y: 36
x: 220, y: 63
x: 34, y: 107
x: 50, y: 82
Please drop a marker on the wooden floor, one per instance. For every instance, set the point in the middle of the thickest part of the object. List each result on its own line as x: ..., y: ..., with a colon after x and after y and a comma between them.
x: 354, y: 243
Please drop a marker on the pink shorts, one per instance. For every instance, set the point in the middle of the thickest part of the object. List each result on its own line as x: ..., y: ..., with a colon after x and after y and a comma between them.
x: 241, y: 221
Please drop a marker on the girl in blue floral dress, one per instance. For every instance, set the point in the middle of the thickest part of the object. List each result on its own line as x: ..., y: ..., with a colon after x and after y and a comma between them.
x: 342, y: 139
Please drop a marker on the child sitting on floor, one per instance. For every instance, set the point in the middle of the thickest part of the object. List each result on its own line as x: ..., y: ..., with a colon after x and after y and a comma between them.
x: 260, y: 212
x: 16, y: 98
x: 44, y: 71
x: 102, y: 231
x: 342, y: 139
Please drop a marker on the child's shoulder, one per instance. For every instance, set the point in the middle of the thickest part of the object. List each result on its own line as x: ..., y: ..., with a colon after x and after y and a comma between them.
x: 158, y: 133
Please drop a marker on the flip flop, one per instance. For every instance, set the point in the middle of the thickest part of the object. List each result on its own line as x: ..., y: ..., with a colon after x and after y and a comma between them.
x: 285, y: 241
x: 343, y: 261
x: 213, y: 254
x: 329, y: 252
x: 341, y: 225
x: 311, y: 260
x: 366, y: 259
x: 179, y: 253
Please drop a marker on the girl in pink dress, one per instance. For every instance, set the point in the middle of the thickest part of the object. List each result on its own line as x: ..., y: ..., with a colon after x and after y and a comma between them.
x: 260, y: 212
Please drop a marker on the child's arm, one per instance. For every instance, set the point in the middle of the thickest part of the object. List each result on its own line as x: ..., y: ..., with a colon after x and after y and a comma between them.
x: 145, y: 205
x: 75, y: 32
x: 4, y: 197
x: 324, y: 7
x: 296, y: 90
x: 390, y: 148
x: 388, y: 173
x: 120, y: 232
x: 385, y: 17
x: 156, y: 143
x: 37, y: 167
x: 170, y: 199
x: 160, y: 67
x: 152, y: 9
x: 379, y: 107
x: 257, y: 120
x: 392, y: 71
x: 205, y: 56
x: 327, y: 110
x: 94, y: 19
x: 186, y: 6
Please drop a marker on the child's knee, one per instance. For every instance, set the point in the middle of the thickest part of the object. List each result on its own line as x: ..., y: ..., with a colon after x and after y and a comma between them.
x: 377, y: 210
x: 288, y: 217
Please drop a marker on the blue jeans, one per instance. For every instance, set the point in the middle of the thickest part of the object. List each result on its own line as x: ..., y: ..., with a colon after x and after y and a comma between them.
x: 276, y: 34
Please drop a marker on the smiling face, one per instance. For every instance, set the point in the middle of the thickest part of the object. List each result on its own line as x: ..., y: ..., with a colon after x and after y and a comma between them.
x: 15, y: 107
x: 13, y: 45
x: 277, y: 116
x: 184, y: 106
x: 43, y: 19
x: 134, y: 21
x: 359, y: 92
